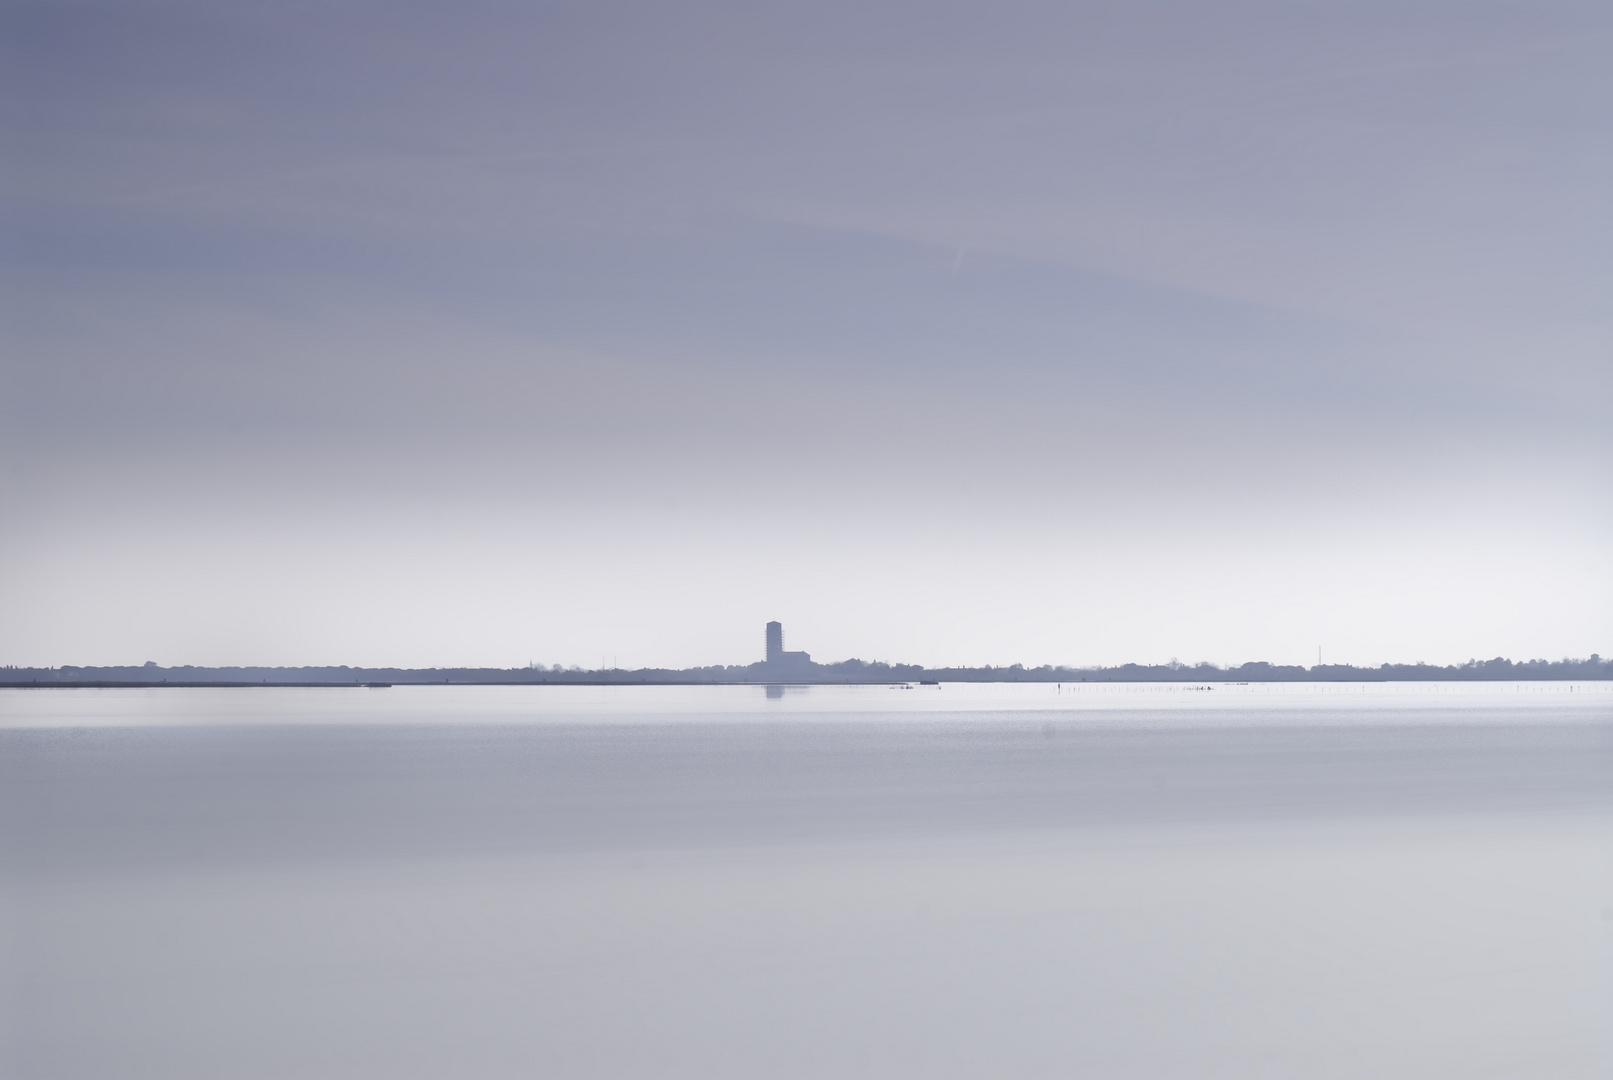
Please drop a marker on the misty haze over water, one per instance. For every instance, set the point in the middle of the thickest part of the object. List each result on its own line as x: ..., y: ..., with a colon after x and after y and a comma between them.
x: 912, y: 385
x: 962, y: 880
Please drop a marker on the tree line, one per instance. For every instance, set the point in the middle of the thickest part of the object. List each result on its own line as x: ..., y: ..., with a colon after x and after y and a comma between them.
x: 845, y: 671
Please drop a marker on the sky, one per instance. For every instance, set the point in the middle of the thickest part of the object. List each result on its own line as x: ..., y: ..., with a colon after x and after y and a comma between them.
x: 1081, y: 333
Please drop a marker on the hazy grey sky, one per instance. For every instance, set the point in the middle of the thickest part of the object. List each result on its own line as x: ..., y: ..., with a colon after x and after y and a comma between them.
x: 1084, y: 333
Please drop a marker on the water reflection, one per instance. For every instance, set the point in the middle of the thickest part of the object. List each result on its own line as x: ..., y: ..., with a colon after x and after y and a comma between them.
x: 777, y: 691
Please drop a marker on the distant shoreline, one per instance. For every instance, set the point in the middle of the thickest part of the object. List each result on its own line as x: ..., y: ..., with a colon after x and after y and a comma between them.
x: 795, y: 669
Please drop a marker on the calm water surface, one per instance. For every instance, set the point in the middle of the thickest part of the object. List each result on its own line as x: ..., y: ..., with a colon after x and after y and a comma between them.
x: 968, y: 880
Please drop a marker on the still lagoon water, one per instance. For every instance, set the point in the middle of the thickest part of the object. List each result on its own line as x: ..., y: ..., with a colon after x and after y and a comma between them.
x: 988, y: 880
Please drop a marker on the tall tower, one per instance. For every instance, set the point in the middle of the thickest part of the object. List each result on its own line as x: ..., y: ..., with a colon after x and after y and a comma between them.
x: 775, y: 642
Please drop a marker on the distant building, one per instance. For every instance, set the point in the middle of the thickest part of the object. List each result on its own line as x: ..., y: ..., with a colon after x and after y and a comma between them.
x: 775, y: 649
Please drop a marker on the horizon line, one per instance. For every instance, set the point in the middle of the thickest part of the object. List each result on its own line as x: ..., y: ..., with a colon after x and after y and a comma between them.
x: 844, y: 671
